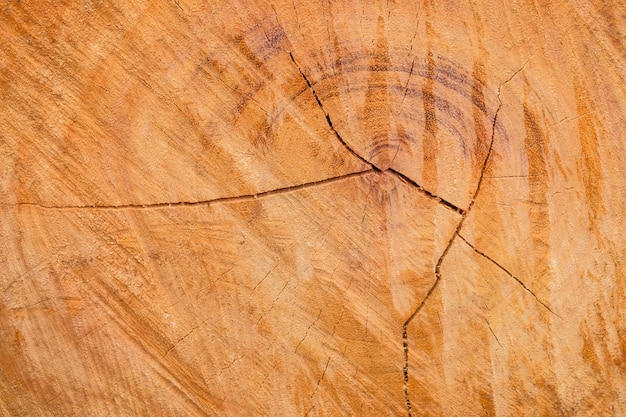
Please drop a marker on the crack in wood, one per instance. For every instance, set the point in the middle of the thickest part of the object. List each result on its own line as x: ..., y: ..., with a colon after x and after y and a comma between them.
x: 427, y: 193
x: 406, y: 85
x: 219, y: 200
x: 306, y: 333
x: 506, y: 271
x: 183, y: 338
x: 492, y: 332
x: 328, y: 119
x: 319, y: 381
x: 263, y: 194
x: 405, y: 341
x: 395, y: 172
x: 372, y: 168
x: 405, y: 338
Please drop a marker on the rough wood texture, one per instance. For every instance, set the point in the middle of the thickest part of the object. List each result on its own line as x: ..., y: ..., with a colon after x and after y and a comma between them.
x: 312, y: 208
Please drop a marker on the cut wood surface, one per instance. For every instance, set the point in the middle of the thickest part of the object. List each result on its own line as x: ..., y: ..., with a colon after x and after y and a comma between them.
x: 312, y: 208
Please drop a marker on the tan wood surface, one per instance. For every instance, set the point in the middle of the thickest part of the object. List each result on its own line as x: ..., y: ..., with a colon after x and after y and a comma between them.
x: 290, y: 208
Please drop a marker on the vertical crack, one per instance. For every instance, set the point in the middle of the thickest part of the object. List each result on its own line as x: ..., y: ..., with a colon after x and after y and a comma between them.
x: 328, y: 119
x: 319, y: 381
x: 405, y: 339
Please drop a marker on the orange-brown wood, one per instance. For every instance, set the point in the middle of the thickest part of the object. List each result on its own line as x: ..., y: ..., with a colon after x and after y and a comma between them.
x: 298, y: 208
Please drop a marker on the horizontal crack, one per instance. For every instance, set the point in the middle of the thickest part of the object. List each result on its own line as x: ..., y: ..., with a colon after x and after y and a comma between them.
x: 221, y: 200
x: 506, y: 271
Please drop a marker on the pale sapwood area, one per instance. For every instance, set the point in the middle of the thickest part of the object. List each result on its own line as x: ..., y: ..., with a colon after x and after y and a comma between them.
x: 312, y: 208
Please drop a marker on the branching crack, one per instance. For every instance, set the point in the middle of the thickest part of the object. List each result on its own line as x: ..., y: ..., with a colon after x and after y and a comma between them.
x: 506, y: 271
x: 361, y: 158
x: 372, y: 167
x: 405, y: 338
x: 464, y: 214
x: 221, y: 200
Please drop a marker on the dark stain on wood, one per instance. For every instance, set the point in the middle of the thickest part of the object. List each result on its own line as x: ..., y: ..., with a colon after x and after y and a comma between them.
x: 590, y: 164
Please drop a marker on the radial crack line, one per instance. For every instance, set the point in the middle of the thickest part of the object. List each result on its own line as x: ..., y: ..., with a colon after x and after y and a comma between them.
x: 220, y: 200
x: 506, y: 271
x: 405, y: 338
x: 427, y: 193
x: 328, y: 119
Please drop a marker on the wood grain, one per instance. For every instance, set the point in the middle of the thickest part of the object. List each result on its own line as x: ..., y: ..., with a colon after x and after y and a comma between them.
x: 312, y: 208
